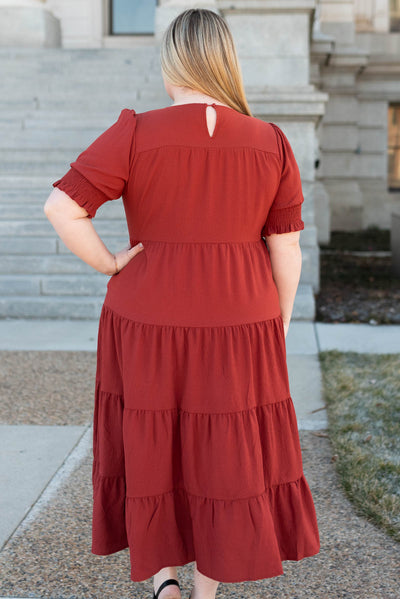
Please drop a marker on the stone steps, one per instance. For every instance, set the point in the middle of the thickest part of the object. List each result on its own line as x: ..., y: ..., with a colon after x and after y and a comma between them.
x: 68, y: 307
x: 42, y: 226
x: 88, y: 105
x: 88, y: 307
x: 32, y: 142
x: 53, y: 104
x: 53, y: 284
x: 33, y: 209
x: 48, y: 245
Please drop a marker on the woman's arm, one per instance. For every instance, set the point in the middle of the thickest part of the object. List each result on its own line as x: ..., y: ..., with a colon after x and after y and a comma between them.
x: 286, y: 260
x: 76, y: 230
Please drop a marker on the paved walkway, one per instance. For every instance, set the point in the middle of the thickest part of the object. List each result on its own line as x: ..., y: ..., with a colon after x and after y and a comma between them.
x: 302, y: 338
x: 38, y: 458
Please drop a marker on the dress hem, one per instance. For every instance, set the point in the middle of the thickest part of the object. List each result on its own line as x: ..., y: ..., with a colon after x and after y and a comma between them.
x: 222, y: 579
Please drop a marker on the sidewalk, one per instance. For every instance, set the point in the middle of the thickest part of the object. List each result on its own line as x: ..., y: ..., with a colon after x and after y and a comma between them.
x: 303, y: 337
x: 45, y: 524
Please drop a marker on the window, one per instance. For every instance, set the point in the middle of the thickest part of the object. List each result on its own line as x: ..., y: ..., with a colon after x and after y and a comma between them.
x: 394, y: 147
x: 394, y: 15
x: 129, y: 17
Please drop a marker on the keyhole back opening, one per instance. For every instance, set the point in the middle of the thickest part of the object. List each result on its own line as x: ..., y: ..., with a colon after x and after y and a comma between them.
x: 211, y: 119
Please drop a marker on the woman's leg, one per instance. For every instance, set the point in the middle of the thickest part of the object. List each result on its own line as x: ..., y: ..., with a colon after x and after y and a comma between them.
x: 171, y: 591
x: 204, y: 587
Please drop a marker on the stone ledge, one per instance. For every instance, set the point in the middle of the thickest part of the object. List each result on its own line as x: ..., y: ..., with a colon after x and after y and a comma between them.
x: 28, y: 24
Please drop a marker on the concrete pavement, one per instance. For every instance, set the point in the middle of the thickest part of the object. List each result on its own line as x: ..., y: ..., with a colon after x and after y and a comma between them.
x: 29, y: 458
x: 303, y: 337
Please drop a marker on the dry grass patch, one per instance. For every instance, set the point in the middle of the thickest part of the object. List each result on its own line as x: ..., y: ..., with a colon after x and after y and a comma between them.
x: 362, y: 395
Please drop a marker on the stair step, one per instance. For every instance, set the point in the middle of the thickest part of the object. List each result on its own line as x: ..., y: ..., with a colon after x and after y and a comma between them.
x: 49, y: 245
x: 22, y: 197
x: 21, y: 181
x: 43, y: 56
x: 38, y: 156
x: 28, y: 123
x: 89, y: 307
x: 73, y: 307
x: 67, y: 81
x: 49, y: 264
x: 55, y: 169
x: 38, y: 119
x: 33, y: 210
x: 94, y: 284
x: 62, y: 142
x: 42, y: 226
x: 13, y: 244
x: 85, y: 105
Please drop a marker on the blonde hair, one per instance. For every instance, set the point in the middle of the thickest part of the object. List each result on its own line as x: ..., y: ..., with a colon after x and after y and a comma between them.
x: 198, y: 51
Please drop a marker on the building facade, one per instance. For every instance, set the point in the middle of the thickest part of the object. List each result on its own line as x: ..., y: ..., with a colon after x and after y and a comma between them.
x: 326, y: 71
x: 351, y: 51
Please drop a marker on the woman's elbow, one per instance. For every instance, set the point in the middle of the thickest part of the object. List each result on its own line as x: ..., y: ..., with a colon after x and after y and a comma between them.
x: 51, y: 203
x: 60, y: 203
x: 284, y: 240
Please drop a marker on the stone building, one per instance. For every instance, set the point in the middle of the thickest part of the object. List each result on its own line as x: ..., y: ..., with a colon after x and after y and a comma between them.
x: 327, y: 72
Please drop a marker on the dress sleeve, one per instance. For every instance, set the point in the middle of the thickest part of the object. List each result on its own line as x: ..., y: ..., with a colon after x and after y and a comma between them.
x: 100, y: 172
x: 285, y: 213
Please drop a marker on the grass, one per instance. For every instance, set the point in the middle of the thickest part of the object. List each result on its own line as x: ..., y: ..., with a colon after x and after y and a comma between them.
x: 362, y: 395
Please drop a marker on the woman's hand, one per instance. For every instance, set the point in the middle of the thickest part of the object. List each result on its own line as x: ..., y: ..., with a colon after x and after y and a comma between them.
x: 123, y: 257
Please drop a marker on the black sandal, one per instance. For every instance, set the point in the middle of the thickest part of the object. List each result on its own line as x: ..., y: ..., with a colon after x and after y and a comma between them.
x: 164, y: 584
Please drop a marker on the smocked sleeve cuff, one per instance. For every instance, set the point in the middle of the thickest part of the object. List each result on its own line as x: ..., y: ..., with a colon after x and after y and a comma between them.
x: 82, y: 191
x: 283, y: 220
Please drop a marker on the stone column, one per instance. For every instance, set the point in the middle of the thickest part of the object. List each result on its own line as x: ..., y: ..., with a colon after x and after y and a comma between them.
x: 372, y: 15
x: 273, y: 42
x: 28, y: 24
x: 338, y: 19
x: 340, y: 132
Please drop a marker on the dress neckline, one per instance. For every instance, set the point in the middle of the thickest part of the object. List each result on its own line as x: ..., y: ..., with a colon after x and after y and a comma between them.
x: 222, y: 115
x: 202, y: 104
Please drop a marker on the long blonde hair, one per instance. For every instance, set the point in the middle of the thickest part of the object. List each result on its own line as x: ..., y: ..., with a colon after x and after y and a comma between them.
x: 198, y: 51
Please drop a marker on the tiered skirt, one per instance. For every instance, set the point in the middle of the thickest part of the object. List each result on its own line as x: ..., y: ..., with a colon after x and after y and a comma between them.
x: 196, y: 452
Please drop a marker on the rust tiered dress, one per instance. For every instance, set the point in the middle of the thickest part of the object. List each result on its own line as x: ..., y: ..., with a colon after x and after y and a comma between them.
x: 195, y: 443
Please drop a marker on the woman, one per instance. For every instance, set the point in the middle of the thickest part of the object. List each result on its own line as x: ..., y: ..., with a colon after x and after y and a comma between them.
x: 195, y: 443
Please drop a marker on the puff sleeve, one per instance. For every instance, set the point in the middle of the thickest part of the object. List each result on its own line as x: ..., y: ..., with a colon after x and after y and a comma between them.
x: 284, y: 215
x: 100, y: 172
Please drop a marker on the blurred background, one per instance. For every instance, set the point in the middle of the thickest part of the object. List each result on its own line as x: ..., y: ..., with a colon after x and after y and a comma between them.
x: 327, y: 72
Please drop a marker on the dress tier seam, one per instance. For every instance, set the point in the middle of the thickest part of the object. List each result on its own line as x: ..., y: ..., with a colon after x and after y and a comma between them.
x: 178, y: 409
x: 264, y: 493
x: 177, y: 489
x: 246, y: 242
x: 183, y: 326
x: 206, y: 147
x: 264, y: 405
